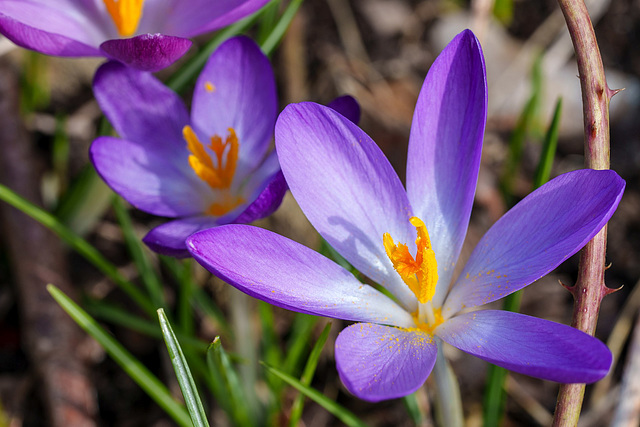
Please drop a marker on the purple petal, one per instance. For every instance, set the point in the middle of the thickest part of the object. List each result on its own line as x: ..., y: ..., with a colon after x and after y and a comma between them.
x: 528, y: 345
x: 347, y: 189
x: 282, y: 272
x: 149, y: 181
x: 170, y: 238
x: 267, y: 202
x: 347, y: 106
x: 444, y: 149
x: 534, y: 237
x: 378, y: 362
x: 147, y: 52
x: 47, y: 29
x: 192, y: 17
x: 142, y: 109
x: 237, y: 89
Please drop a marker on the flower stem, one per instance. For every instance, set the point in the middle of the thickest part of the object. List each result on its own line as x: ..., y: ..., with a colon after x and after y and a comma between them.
x: 448, y: 403
x: 589, y: 288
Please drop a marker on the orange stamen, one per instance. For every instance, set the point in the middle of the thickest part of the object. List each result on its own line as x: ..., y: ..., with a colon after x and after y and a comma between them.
x: 125, y: 14
x: 218, y: 175
x: 419, y: 273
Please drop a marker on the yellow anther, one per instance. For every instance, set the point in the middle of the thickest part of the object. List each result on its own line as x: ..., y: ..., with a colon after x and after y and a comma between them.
x: 218, y: 174
x: 209, y: 87
x: 419, y: 273
x: 125, y: 14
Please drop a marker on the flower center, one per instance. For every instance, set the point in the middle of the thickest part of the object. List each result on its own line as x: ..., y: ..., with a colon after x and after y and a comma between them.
x: 419, y: 273
x: 218, y: 174
x: 125, y: 14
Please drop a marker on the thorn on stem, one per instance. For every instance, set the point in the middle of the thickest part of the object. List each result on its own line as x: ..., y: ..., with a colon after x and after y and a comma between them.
x: 608, y: 266
x: 609, y: 291
x: 571, y: 288
x: 612, y: 92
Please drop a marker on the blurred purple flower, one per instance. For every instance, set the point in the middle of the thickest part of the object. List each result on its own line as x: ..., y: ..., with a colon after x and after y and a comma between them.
x: 212, y: 168
x: 353, y: 197
x: 149, y: 35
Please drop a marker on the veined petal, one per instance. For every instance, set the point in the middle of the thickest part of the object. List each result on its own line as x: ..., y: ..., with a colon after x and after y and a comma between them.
x: 347, y: 189
x: 236, y: 89
x: 378, y: 362
x: 48, y: 29
x: 528, y: 345
x: 444, y: 149
x: 142, y: 109
x: 148, y: 180
x: 147, y: 52
x: 536, y: 235
x: 170, y: 238
x: 282, y: 272
x: 265, y: 190
x: 347, y: 106
x: 188, y: 18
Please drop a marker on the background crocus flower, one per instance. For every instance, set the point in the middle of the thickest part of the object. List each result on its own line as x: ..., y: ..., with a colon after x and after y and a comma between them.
x: 409, y: 242
x: 145, y: 34
x: 212, y: 168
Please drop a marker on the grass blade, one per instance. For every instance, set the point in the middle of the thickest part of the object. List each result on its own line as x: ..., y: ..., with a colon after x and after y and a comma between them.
x: 543, y: 171
x: 231, y: 397
x: 187, y: 385
x: 140, y: 258
x: 136, y: 370
x: 281, y: 27
x: 79, y: 244
x: 339, y: 411
x: 307, y: 374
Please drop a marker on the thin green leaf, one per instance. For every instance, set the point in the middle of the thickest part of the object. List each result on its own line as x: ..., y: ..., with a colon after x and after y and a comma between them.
x: 122, y: 317
x: 273, y: 40
x: 188, y: 73
x: 339, y: 411
x: 231, y: 397
x: 543, y: 171
x: 300, y: 337
x: 140, y: 258
x: 78, y: 244
x: 503, y: 11
x: 523, y: 127
x: 307, y: 374
x: 185, y: 380
x: 136, y: 370
x: 413, y: 409
x: 88, y: 198
x: 181, y: 271
x: 268, y: 20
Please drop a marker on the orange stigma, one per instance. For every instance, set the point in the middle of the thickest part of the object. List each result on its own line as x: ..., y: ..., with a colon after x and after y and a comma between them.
x: 218, y: 175
x: 125, y: 15
x: 419, y: 273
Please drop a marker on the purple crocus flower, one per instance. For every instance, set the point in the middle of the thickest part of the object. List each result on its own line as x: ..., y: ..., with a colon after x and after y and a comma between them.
x: 212, y: 168
x: 148, y: 35
x: 353, y: 197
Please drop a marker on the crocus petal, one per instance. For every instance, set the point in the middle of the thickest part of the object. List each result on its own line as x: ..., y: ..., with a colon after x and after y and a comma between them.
x: 378, y: 362
x: 47, y: 30
x: 267, y: 201
x: 170, y: 238
x: 534, y: 237
x: 147, y: 52
x: 528, y: 345
x: 347, y: 189
x: 236, y: 89
x: 282, y: 272
x: 444, y: 149
x: 149, y: 181
x: 192, y: 17
x: 142, y: 109
x: 347, y: 106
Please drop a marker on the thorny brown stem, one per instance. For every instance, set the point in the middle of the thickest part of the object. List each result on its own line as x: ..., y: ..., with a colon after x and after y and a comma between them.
x: 589, y: 288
